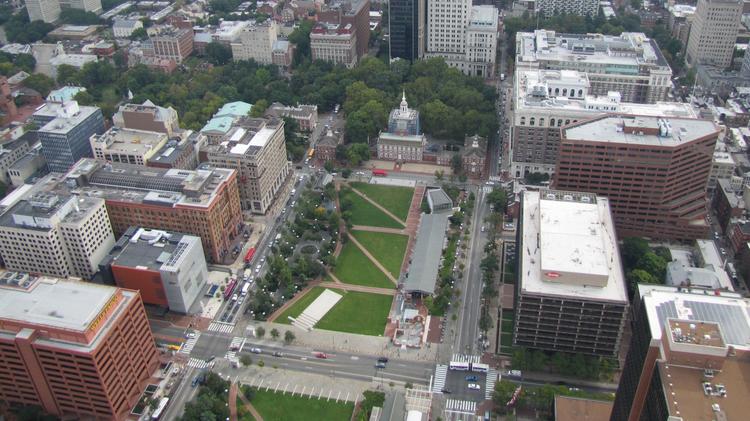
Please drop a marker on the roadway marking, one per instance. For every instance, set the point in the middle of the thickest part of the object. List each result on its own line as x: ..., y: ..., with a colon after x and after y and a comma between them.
x: 354, y: 357
x: 303, y: 390
x: 337, y: 397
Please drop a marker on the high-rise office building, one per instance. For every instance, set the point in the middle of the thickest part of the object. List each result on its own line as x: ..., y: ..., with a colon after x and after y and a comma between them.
x: 406, y: 29
x: 79, y: 350
x: 44, y: 10
x: 65, y: 129
x: 688, y: 357
x: 256, y: 42
x: 570, y: 7
x: 653, y: 170
x: 714, y: 32
x: 571, y: 293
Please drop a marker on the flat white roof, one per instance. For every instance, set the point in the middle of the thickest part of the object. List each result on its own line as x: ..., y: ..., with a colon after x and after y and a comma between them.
x: 580, y: 232
x: 610, y: 129
x: 262, y: 137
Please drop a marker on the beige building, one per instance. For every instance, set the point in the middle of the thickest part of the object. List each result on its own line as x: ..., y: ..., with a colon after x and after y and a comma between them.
x: 714, y: 32
x: 60, y: 235
x: 336, y: 44
x: 256, y: 42
x: 44, y: 10
x: 127, y: 145
x: 149, y: 117
x: 172, y: 43
x: 256, y: 149
x: 94, y: 6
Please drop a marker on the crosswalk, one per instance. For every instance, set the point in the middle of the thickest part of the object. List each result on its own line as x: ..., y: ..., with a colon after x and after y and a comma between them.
x: 441, y: 372
x: 221, y: 327
x: 231, y: 355
x: 237, y: 343
x: 197, y: 363
x: 489, y: 385
x: 474, y: 359
x: 188, y: 345
x: 460, y: 406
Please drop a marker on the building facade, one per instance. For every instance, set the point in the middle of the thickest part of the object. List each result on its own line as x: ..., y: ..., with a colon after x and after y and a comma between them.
x: 404, y: 141
x: 127, y: 145
x: 173, y: 44
x: 546, y: 100
x: 305, y: 115
x: 653, y: 170
x: 256, y: 149
x: 571, y: 294
x: 406, y: 29
x: 357, y: 14
x: 474, y: 157
x: 147, y: 117
x: 65, y: 131
x: 679, y: 21
x: 58, y: 235
x: 169, y: 269
x: 336, y: 44
x: 44, y: 10
x: 256, y: 42
x: 631, y: 63
x: 78, y: 350
x: 714, y: 32
x: 570, y: 7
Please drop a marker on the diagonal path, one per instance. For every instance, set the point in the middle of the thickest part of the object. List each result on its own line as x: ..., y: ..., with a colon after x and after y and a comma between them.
x: 249, y: 406
x: 379, y: 229
x: 358, y: 288
x: 372, y: 258
x: 377, y: 205
x: 291, y: 302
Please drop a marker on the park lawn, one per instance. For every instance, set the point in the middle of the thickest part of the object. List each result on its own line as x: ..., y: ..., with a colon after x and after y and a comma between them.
x: 388, y: 248
x: 364, y: 213
x: 297, y: 308
x: 353, y: 267
x: 358, y: 312
x: 277, y: 406
x: 396, y: 199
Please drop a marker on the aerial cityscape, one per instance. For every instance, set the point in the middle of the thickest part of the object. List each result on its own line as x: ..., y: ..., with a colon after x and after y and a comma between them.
x: 374, y: 210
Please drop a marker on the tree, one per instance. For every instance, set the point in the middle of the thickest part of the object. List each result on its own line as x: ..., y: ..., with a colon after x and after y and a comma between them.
x: 218, y: 54
x: 289, y: 337
x: 79, y: 17
x: 457, y: 218
x: 275, y: 333
x: 632, y: 249
x: 439, y: 175
x: 138, y: 34
x: 358, y: 152
x: 346, y: 172
x: 300, y: 37
x: 259, y: 108
x: 67, y: 75
x: 19, y: 29
x: 40, y: 83
x: 328, y: 165
x: 653, y: 264
x: 246, y: 360
x: 260, y: 331
x: 84, y: 98
x: 498, y: 198
x: 502, y: 394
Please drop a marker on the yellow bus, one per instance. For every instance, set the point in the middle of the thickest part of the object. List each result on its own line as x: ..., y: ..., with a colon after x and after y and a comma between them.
x: 310, y: 153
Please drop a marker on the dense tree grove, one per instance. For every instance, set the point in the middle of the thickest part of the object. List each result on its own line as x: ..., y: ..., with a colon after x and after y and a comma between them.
x: 641, y: 264
x: 19, y: 29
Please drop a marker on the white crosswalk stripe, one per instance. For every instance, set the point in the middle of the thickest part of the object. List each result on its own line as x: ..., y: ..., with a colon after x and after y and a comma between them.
x: 464, y: 407
x: 221, y: 327
x: 231, y: 355
x: 236, y: 342
x: 197, y: 363
x: 466, y: 358
x: 188, y: 345
x: 441, y: 372
x: 490, y: 383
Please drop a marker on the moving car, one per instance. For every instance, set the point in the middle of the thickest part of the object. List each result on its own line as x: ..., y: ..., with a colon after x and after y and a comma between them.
x: 278, y: 354
x: 473, y: 386
x: 190, y: 335
x: 383, y: 359
x: 471, y: 378
x: 321, y: 355
x: 256, y: 350
x: 380, y: 365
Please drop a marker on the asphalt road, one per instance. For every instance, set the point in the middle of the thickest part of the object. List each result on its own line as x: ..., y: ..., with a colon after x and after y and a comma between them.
x: 211, y: 344
x: 184, y: 393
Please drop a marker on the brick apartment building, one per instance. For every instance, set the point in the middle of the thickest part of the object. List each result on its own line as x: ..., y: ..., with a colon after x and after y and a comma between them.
x: 653, y: 170
x: 78, y: 350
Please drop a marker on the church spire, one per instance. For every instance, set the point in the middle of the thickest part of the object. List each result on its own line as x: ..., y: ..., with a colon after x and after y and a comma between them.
x: 404, y: 104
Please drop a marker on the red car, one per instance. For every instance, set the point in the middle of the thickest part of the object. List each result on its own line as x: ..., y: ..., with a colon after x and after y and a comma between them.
x: 320, y: 355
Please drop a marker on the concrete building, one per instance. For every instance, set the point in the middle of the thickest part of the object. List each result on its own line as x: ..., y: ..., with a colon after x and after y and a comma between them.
x: 123, y: 28
x: 334, y: 43
x: 406, y: 28
x: 570, y: 7
x: 305, y: 115
x: 439, y: 201
x: 256, y: 149
x: 167, y: 268
x: 687, y: 357
x: 714, y: 32
x: 474, y: 157
x: 44, y: 10
x: 28, y: 167
x: 172, y: 43
x: 127, y: 145
x: 546, y: 100
x: 679, y: 21
x: 653, y: 170
x: 256, y: 42
x: 10, y: 152
x: 630, y: 63
x: 571, y: 293
x: 464, y: 35
x: 179, y: 153
x: 204, y: 203
x: 722, y: 167
x: 78, y: 350
x: 93, y: 6
x: 65, y: 129
x: 148, y: 117
x: 56, y: 234
x: 404, y: 140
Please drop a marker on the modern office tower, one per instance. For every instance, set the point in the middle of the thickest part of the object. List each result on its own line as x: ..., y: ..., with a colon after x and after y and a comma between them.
x: 630, y: 63
x: 204, y: 202
x: 256, y: 149
x: 714, y: 32
x: 255, y: 42
x: 406, y: 29
x: 653, y: 170
x: 168, y: 268
x: 334, y: 43
x: 688, y: 356
x: 173, y: 43
x: 65, y: 129
x: 78, y: 350
x: 148, y: 117
x: 571, y: 293
x: 44, y: 10
x: 56, y: 234
x: 570, y: 7
x: 545, y: 100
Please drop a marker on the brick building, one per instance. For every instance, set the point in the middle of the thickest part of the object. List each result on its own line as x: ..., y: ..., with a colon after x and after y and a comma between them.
x: 474, y: 157
x: 173, y: 43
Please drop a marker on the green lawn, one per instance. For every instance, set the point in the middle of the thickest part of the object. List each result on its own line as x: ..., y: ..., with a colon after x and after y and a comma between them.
x: 389, y: 249
x: 396, y: 199
x: 358, y: 312
x: 297, y: 308
x: 276, y: 406
x: 353, y: 267
x: 506, y: 340
x: 507, y: 326
x: 364, y: 213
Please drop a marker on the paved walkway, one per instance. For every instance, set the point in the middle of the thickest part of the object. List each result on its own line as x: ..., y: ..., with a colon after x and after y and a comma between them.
x: 360, y: 288
x: 377, y: 205
x: 372, y: 258
x: 249, y: 406
x: 412, y: 223
x: 379, y: 229
x: 291, y: 302
x: 233, y: 402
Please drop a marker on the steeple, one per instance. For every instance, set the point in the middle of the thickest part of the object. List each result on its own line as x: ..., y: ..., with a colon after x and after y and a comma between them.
x: 404, y: 104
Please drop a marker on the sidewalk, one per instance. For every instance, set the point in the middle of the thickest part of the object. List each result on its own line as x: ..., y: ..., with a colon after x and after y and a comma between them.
x: 360, y: 288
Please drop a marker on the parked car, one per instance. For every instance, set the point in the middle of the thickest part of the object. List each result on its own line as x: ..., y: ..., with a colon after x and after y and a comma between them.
x: 474, y: 386
x: 471, y: 378
x: 383, y: 359
x: 190, y: 335
x: 379, y: 365
x: 446, y: 391
x: 278, y: 354
x: 321, y: 355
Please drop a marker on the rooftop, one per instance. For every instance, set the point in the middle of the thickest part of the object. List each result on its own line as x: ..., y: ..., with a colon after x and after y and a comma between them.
x: 641, y: 130
x: 569, y: 248
x: 129, y: 141
x: 234, y: 109
x: 64, y: 94
x: 425, y: 261
x: 569, y: 408
x: 65, y: 116
x: 147, y: 249
x: 44, y: 210
x: 394, y: 137
x: 439, y: 197
x: 483, y: 16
